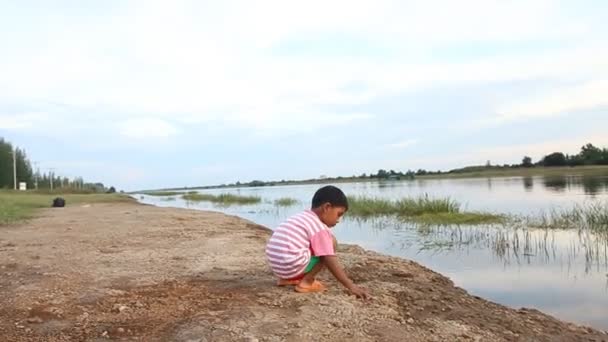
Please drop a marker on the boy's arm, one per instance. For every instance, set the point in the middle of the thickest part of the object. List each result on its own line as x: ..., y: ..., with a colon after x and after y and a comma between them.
x: 332, y: 263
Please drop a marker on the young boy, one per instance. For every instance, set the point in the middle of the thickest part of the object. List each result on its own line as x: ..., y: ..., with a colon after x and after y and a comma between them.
x: 303, y: 246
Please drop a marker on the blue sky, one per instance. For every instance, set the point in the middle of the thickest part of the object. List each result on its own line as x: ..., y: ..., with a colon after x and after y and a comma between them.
x: 149, y: 94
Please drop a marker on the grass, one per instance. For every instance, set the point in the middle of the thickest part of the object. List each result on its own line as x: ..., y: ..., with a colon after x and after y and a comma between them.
x: 422, y: 209
x: 161, y: 193
x: 285, y: 202
x: 224, y: 199
x: 16, y: 205
x: 589, y: 170
x: 592, y: 216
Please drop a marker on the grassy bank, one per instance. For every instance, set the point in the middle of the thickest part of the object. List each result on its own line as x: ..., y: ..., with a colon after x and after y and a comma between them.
x: 422, y: 209
x: 161, y: 193
x: 18, y: 205
x: 224, y: 199
x: 590, y: 170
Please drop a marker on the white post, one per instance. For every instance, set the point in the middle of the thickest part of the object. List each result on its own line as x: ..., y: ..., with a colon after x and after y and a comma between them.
x: 15, y: 168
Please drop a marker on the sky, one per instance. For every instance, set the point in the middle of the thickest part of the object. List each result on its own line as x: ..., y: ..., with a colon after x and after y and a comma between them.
x: 155, y: 94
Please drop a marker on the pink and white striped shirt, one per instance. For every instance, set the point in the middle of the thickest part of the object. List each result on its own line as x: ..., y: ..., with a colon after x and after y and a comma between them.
x: 294, y: 241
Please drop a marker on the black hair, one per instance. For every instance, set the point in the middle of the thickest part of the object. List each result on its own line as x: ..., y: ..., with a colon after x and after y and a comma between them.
x: 329, y: 194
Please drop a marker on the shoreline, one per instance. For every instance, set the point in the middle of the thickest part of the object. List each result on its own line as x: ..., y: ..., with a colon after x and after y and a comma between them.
x: 128, y: 270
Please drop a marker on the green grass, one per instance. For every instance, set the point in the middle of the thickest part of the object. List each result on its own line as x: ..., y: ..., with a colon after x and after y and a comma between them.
x: 161, y: 193
x: 422, y: 210
x: 285, y: 202
x: 16, y: 205
x: 592, y: 216
x: 224, y: 199
x: 588, y: 170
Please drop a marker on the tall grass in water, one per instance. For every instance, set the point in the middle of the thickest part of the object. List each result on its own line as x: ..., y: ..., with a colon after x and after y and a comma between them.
x: 285, y: 202
x: 225, y: 199
x: 593, y: 216
x: 422, y: 209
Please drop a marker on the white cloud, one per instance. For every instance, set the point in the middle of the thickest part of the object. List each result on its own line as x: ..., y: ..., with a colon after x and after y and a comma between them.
x: 565, y: 100
x: 403, y: 144
x: 146, y: 128
x: 21, y: 121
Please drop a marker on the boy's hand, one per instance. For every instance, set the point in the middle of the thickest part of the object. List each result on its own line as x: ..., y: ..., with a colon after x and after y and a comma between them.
x: 359, y: 292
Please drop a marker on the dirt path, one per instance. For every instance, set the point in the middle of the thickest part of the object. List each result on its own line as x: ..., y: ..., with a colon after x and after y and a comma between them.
x: 134, y: 272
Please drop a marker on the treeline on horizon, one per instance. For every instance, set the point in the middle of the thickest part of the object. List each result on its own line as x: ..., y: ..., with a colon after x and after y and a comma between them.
x: 25, y: 173
x: 588, y: 155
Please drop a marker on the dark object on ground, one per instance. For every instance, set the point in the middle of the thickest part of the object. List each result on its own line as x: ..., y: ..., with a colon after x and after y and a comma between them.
x: 58, y: 202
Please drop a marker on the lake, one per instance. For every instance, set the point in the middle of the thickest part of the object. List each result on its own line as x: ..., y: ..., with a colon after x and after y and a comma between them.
x: 561, y: 272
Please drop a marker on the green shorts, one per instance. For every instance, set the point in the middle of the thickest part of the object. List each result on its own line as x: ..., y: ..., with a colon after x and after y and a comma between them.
x: 313, y: 261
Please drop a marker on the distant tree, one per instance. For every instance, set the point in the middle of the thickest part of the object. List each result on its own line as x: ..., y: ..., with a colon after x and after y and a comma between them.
x: 526, y: 162
x: 382, y: 174
x: 111, y: 190
x: 590, y: 154
x: 555, y: 159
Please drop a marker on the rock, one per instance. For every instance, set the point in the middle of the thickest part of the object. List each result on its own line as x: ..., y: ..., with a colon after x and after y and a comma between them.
x: 121, y: 330
x: 410, y: 320
x: 119, y: 308
x: 35, y: 319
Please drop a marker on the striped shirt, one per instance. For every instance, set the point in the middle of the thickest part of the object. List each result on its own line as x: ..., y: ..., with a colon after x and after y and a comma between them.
x: 294, y: 241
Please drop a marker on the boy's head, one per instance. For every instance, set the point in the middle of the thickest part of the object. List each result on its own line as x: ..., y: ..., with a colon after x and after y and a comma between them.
x: 329, y: 203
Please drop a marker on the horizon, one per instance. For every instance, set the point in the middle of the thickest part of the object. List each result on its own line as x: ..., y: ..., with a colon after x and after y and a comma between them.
x: 143, y: 95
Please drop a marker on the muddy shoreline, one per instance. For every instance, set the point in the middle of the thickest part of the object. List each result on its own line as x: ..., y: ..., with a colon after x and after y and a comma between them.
x: 132, y: 272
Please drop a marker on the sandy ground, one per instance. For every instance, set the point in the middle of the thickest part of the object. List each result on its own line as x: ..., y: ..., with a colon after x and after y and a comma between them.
x: 134, y: 272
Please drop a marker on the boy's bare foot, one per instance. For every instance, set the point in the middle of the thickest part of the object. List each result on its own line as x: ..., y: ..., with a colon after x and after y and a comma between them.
x: 287, y: 282
x: 315, y: 286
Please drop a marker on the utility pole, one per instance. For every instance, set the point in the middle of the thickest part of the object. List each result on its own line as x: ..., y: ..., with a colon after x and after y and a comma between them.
x: 51, y: 175
x: 15, y: 168
x: 36, y: 175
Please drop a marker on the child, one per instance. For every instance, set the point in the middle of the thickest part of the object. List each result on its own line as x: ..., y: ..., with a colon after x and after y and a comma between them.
x: 303, y: 246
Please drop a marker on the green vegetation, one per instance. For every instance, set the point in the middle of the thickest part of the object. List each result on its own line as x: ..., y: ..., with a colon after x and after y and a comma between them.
x: 499, y: 171
x: 285, y: 202
x: 161, y: 193
x: 17, y: 205
x: 423, y: 210
x: 36, y: 180
x: 590, y: 216
x: 224, y: 199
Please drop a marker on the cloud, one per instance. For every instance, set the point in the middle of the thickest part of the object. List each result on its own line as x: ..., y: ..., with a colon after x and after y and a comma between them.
x: 141, y: 128
x: 21, y: 121
x: 561, y: 101
x: 403, y: 144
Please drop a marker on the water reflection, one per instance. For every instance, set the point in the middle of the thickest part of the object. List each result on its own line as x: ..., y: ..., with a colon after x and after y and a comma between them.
x: 556, y: 183
x: 528, y: 183
x: 591, y: 185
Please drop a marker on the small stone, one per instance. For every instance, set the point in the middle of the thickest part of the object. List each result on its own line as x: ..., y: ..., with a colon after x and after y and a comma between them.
x: 104, y: 334
x: 35, y: 319
x: 119, y: 308
x: 121, y: 330
x: 410, y: 320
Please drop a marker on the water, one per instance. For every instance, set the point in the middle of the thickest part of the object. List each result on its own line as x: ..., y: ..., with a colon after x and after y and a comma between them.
x: 560, y: 272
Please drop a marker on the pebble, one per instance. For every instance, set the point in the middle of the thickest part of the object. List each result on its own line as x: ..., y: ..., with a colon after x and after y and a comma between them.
x: 410, y: 320
x: 119, y: 308
x: 121, y: 330
x: 35, y: 319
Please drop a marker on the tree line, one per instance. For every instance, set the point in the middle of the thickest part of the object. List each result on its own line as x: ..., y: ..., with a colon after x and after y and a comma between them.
x: 33, y: 178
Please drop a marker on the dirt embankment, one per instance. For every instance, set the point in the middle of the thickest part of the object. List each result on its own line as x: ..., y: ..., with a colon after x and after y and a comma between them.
x: 134, y: 272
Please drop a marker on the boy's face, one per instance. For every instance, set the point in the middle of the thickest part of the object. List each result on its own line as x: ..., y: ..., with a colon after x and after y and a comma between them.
x: 331, y: 215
